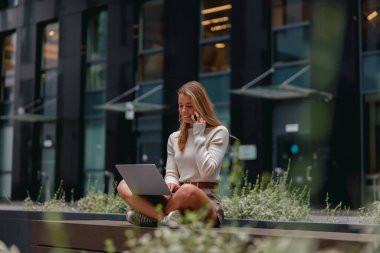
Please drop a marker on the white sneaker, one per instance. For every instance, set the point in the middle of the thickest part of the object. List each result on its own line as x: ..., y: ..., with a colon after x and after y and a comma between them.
x: 172, y: 220
x: 138, y: 219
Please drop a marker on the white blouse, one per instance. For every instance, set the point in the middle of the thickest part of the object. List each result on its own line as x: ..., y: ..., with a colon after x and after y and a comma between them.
x: 202, y: 157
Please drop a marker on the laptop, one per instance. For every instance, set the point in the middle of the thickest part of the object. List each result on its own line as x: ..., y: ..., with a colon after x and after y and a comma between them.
x: 143, y: 179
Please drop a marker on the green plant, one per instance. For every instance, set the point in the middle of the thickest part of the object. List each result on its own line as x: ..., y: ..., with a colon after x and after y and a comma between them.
x: 237, y: 171
x: 56, y: 203
x: 275, y: 200
x: 99, y: 202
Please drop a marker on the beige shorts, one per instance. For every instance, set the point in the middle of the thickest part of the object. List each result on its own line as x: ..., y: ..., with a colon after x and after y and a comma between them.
x: 213, y: 194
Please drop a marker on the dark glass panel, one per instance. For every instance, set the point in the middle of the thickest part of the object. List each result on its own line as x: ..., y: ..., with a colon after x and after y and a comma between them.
x: 291, y: 44
x: 290, y: 11
x: 96, y: 37
x: 217, y: 87
x: 151, y: 25
x: 215, y: 57
x: 96, y: 77
x: 151, y: 66
x: 371, y: 72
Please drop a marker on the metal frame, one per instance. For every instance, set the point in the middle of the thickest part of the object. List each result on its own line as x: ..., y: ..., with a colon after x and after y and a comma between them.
x: 134, y: 105
x: 31, y: 115
x: 285, y: 90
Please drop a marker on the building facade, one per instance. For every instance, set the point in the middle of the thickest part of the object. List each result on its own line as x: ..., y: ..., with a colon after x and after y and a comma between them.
x: 88, y: 84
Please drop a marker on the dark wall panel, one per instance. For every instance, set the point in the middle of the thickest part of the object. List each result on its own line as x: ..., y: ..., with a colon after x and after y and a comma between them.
x: 250, y: 51
x: 181, y: 57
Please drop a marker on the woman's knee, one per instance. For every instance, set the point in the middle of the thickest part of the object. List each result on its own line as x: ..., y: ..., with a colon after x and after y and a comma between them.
x: 188, y: 191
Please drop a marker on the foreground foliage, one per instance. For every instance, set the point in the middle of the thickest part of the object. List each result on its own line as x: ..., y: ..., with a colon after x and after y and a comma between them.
x: 5, y: 249
x: 200, y: 238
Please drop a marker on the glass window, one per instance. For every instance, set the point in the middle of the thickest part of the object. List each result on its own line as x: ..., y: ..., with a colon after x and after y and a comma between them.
x: 8, y: 3
x: 151, y: 56
x: 215, y: 57
x: 371, y: 25
x: 283, y: 73
x: 7, y: 82
x: 290, y: 11
x: 215, y: 25
x: 96, y: 37
x: 291, y: 44
x: 371, y: 72
x: 50, y: 47
x: 94, y: 87
x: 152, y: 36
x: 96, y: 77
x: 8, y: 66
x: 94, y: 143
x: 215, y: 18
x: 151, y: 66
x: 49, y: 67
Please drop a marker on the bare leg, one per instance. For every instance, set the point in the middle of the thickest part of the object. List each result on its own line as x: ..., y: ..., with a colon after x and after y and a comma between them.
x: 137, y: 203
x: 190, y: 197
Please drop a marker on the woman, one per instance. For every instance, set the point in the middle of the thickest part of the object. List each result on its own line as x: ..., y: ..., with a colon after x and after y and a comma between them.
x: 195, y: 154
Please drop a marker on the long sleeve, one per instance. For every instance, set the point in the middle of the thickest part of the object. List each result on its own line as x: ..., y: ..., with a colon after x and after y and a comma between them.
x: 209, y: 157
x: 172, y: 174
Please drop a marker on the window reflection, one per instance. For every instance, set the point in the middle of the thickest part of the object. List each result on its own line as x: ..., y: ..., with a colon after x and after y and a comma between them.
x: 50, y: 46
x: 8, y: 65
x: 215, y: 19
x: 8, y: 3
x: 290, y: 11
x: 151, y: 56
x: 151, y: 25
x: 151, y: 67
x: 291, y: 44
x: 215, y: 57
x: 371, y: 25
x: 96, y: 37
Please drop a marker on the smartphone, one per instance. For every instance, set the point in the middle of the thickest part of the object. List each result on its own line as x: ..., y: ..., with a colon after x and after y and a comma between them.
x: 194, y: 117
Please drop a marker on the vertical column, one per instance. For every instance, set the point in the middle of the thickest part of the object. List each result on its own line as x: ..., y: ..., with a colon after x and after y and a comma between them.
x: 69, y: 103
x: 181, y: 57
x: 250, y: 57
x: 120, y: 141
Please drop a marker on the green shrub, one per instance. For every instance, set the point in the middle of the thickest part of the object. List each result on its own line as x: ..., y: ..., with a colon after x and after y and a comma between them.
x: 99, y: 202
x: 275, y: 200
x: 56, y: 203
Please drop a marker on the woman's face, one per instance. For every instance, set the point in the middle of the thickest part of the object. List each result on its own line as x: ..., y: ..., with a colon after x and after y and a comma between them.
x: 185, y: 108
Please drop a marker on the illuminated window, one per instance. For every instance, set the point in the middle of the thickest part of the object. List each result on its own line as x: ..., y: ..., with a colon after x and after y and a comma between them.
x: 371, y: 25
x: 8, y: 67
x: 215, y: 24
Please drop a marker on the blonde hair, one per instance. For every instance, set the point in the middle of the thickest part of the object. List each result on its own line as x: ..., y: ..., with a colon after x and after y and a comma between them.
x: 202, y: 104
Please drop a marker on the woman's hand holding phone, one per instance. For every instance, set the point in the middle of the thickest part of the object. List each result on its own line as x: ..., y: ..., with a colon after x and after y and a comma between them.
x: 197, y: 118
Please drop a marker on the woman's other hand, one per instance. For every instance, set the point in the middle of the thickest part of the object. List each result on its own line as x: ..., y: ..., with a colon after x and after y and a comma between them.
x: 173, y: 187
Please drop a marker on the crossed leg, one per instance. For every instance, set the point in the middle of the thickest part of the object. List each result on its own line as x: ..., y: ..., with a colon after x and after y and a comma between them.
x: 187, y: 197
